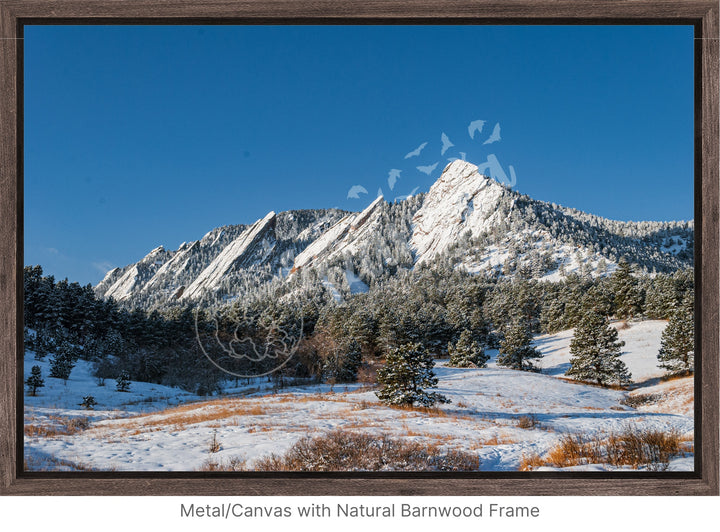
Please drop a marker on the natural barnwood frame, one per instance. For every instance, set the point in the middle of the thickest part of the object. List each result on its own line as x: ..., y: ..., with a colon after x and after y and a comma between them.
x: 702, y: 14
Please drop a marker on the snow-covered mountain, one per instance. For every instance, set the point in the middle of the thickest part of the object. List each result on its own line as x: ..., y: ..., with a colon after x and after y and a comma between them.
x: 466, y: 221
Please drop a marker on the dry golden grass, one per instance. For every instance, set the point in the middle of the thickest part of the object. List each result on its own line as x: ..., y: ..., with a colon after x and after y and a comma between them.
x: 531, y: 462
x: 634, y: 448
x: 181, y: 416
x: 62, y: 426
x: 355, y: 424
x: 427, y: 410
x: 497, y: 439
x: 260, y: 428
x: 676, y: 376
x: 43, y: 431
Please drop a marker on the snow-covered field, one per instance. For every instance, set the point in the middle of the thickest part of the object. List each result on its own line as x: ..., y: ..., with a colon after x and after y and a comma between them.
x: 500, y: 415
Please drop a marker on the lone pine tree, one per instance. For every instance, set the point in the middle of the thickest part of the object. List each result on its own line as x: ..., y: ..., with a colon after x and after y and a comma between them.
x: 595, y: 352
x: 516, y: 351
x: 123, y: 382
x: 62, y: 362
x: 407, y: 373
x: 677, y: 345
x: 35, y: 380
x: 467, y: 352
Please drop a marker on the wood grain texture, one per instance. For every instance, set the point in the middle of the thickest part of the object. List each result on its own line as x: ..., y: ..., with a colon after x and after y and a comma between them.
x: 707, y: 140
x: 365, y: 9
x: 11, y: 235
x: 702, y: 13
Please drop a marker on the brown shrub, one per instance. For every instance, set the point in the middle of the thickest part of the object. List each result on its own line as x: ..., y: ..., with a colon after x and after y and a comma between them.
x: 526, y: 422
x: 648, y: 448
x: 531, y: 462
x: 233, y: 464
x: 351, y: 451
x: 640, y: 399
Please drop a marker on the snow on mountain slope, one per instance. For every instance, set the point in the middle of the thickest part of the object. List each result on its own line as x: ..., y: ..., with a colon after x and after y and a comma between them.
x: 466, y: 221
x: 460, y: 200
x: 235, y: 253
x: 175, y: 266
x: 137, y: 274
x: 323, y: 243
x: 341, y: 237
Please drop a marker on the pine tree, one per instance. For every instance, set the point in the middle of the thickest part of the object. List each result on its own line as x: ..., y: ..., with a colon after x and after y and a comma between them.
x: 628, y: 299
x: 407, y: 373
x: 351, y: 362
x: 595, y: 352
x: 88, y: 402
x: 43, y: 343
x: 35, y: 380
x: 677, y: 347
x: 661, y: 299
x: 123, y: 382
x: 552, y: 316
x: 516, y: 351
x: 62, y: 362
x: 467, y: 352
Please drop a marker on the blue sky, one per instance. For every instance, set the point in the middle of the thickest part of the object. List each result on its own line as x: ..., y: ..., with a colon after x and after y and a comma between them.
x: 141, y: 136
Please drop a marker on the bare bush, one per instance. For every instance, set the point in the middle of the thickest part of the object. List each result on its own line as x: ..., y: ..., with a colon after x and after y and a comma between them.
x: 651, y: 449
x: 214, y: 446
x: 526, y: 422
x: 642, y: 399
x: 233, y: 464
x: 350, y: 451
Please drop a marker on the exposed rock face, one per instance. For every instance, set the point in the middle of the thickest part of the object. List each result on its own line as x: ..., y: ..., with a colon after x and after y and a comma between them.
x: 242, y: 251
x: 461, y: 200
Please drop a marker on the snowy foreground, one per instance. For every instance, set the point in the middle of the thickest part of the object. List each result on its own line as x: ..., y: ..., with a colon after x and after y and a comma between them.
x: 501, y: 416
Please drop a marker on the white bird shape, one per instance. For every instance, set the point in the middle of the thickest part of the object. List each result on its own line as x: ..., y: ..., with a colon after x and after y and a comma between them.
x: 416, y: 151
x: 427, y: 169
x: 495, y: 135
x: 446, y: 144
x: 355, y: 191
x: 475, y: 125
x: 393, y: 176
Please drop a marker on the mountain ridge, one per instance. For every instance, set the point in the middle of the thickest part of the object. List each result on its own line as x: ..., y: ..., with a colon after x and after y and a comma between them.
x: 466, y: 220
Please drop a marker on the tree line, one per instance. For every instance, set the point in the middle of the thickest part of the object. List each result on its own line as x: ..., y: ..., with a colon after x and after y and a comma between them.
x: 438, y: 310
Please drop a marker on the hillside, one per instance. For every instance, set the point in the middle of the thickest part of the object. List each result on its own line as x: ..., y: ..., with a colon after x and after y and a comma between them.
x: 501, y: 416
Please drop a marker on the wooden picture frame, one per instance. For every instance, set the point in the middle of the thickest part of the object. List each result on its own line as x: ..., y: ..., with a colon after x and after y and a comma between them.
x: 701, y: 14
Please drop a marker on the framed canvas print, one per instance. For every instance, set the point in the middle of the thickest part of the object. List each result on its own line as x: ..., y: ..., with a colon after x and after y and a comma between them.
x: 359, y: 248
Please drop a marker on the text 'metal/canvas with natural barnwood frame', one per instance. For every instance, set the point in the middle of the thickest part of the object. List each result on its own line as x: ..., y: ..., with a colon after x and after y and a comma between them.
x: 466, y: 331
